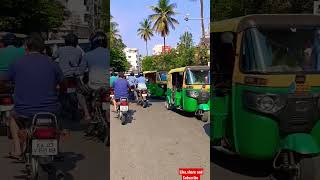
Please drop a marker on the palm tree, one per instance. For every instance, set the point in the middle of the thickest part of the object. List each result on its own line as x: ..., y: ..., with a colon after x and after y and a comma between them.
x: 114, y: 29
x: 163, y: 18
x: 202, y: 17
x: 145, y: 31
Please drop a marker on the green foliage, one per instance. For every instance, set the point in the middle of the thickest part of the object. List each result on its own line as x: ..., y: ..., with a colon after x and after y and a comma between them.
x: 118, y: 60
x: 185, y: 55
x: 27, y: 16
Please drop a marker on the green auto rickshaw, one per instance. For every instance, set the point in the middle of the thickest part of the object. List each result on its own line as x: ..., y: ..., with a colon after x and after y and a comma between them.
x: 188, y: 90
x: 156, y: 82
x: 266, y: 91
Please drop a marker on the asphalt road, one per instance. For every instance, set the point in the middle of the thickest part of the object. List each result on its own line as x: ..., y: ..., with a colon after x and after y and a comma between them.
x: 84, y: 158
x: 156, y: 143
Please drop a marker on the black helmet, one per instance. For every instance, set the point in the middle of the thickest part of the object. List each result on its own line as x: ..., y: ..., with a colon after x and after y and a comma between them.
x: 9, y: 39
x: 99, y: 39
x: 71, y: 40
x: 131, y: 74
x: 140, y: 74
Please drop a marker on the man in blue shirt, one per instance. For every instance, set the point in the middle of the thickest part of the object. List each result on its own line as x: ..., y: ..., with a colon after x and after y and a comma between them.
x: 121, y: 86
x: 35, y: 77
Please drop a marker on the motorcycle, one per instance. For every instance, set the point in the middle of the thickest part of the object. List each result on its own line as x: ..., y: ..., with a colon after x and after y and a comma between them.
x: 123, y: 109
x: 6, y: 105
x: 143, y: 98
x: 131, y: 92
x: 111, y: 92
x: 68, y: 98
x: 99, y: 108
x: 42, y: 144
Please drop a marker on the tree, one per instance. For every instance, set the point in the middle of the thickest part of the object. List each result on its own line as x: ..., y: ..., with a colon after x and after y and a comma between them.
x: 148, y: 63
x: 163, y: 18
x: 145, y: 31
x: 118, y: 60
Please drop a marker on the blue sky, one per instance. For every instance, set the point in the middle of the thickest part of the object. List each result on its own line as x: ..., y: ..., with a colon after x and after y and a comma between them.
x: 128, y: 14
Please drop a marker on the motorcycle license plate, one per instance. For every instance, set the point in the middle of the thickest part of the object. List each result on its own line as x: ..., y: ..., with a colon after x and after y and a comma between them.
x: 4, y: 108
x: 44, y: 147
x: 71, y: 90
x: 105, y: 106
x: 124, y: 108
x: 111, y: 96
x: 144, y: 95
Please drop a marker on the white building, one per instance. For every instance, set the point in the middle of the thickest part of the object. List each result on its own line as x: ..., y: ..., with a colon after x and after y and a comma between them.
x: 133, y: 57
x: 84, y: 14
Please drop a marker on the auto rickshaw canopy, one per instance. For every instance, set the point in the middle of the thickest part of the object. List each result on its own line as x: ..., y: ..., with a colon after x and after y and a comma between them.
x: 264, y: 20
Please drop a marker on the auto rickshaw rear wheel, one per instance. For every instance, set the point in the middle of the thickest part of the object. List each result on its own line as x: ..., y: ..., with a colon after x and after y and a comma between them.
x: 308, y: 169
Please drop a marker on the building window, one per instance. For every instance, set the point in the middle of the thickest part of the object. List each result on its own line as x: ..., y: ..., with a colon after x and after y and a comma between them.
x: 84, y: 2
x: 129, y: 56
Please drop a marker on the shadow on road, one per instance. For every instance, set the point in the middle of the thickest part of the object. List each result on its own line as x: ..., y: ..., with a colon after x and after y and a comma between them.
x: 157, y: 99
x: 206, y: 128
x: 240, y: 165
x: 69, y: 163
x: 129, y: 117
x: 184, y: 113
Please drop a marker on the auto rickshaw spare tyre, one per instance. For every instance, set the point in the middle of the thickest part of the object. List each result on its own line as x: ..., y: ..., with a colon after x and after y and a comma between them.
x: 205, y: 116
x: 308, y: 169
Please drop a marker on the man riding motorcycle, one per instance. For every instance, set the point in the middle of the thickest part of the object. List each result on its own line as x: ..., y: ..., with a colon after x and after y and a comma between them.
x: 141, y: 82
x: 121, y: 86
x: 96, y: 62
x: 35, y: 77
x: 132, y: 80
x: 70, y: 59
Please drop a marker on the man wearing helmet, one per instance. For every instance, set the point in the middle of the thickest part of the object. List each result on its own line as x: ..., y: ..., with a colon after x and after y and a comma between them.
x: 9, y: 54
x: 70, y: 59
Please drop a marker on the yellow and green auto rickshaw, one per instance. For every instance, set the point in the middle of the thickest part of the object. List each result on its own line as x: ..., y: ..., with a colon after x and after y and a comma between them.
x: 266, y: 91
x: 188, y: 90
x: 156, y: 82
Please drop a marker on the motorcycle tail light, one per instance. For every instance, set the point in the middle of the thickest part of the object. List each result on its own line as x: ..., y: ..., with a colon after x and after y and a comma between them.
x: 45, y: 133
x: 6, y: 101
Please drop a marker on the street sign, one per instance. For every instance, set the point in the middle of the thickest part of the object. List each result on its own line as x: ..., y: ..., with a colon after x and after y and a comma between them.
x: 316, y: 7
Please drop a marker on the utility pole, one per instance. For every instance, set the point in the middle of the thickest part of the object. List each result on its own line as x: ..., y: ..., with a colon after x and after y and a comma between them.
x: 316, y: 7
